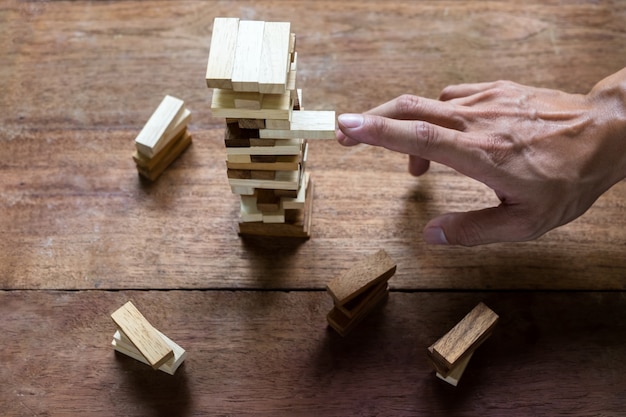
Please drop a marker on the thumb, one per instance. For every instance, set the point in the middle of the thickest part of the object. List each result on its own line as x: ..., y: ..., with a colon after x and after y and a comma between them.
x: 472, y: 228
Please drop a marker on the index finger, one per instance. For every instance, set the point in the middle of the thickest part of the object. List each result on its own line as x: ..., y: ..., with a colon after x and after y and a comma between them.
x: 416, y: 137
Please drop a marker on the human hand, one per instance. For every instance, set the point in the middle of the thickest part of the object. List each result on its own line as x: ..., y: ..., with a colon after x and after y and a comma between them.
x: 548, y: 155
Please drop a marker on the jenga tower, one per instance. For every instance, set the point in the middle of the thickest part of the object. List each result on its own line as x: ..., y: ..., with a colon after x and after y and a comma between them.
x: 252, y: 69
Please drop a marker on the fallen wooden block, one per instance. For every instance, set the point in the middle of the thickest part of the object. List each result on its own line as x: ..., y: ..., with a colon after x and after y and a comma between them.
x: 145, y: 338
x: 162, y: 126
x: 456, y: 373
x: 462, y: 340
x: 177, y: 149
x: 123, y: 345
x: 365, y: 274
x: 357, y: 291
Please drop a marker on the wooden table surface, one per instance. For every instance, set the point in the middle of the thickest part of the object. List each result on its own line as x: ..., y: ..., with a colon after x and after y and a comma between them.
x: 80, y: 233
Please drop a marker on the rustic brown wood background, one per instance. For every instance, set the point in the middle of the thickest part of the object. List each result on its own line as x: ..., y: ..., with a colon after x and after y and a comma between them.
x: 80, y: 233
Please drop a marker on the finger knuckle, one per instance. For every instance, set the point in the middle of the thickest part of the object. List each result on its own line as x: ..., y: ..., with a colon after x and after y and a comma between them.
x: 407, y: 105
x: 426, y: 138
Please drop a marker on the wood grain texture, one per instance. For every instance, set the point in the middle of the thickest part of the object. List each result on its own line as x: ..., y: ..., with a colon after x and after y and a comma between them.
x: 570, y: 366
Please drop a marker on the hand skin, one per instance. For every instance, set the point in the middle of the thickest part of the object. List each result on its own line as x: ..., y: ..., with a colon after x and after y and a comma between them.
x: 548, y: 155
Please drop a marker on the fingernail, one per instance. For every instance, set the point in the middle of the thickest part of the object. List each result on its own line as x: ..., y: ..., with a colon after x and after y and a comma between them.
x: 351, y: 121
x: 435, y: 236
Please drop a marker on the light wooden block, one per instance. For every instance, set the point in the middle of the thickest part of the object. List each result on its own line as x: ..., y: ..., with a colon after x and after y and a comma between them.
x: 123, y: 345
x: 284, y: 180
x: 149, y: 163
x: 456, y: 373
x: 155, y: 172
x: 247, y: 63
x: 249, y: 211
x: 299, y: 201
x: 365, y: 274
x: 274, y: 106
x: 298, y: 226
x: 277, y: 124
x: 250, y: 101
x: 221, y: 61
x: 464, y: 337
x: 283, y: 163
x: 282, y: 147
x: 306, y: 124
x: 274, y: 58
x: 242, y: 190
x: 274, y: 217
x: 142, y: 335
x: 238, y: 159
x: 162, y: 121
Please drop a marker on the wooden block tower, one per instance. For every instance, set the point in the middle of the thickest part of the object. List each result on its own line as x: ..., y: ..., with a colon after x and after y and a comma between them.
x: 252, y: 69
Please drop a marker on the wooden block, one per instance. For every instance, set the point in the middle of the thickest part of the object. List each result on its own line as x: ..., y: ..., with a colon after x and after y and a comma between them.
x: 262, y: 142
x: 267, y: 158
x: 299, y: 201
x: 252, y: 123
x: 250, y: 101
x: 277, y: 124
x: 465, y: 336
x: 365, y: 274
x: 343, y: 324
x: 292, y: 44
x: 248, y: 56
x: 274, y: 216
x: 162, y: 120
x: 284, y: 180
x: 240, y: 174
x: 281, y: 163
x: 275, y: 58
x: 298, y: 226
x: 267, y: 200
x: 242, y: 190
x: 263, y: 175
x: 149, y: 163
x: 305, y: 124
x: 142, y: 335
x: 357, y: 305
x: 456, y: 373
x: 238, y: 159
x: 273, y: 106
x: 297, y: 100
x: 155, y: 172
x: 249, y: 211
x: 219, y: 70
x: 282, y: 147
x: 123, y: 345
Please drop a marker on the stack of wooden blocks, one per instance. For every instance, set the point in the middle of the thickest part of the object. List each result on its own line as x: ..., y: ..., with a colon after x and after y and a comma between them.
x: 451, y: 354
x: 357, y: 291
x: 252, y: 69
x: 135, y: 337
x: 163, y: 138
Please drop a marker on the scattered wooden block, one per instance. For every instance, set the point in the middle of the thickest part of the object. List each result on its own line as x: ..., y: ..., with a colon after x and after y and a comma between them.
x: 305, y: 124
x: 456, y: 373
x: 248, y: 56
x: 365, y: 274
x: 123, y: 345
x: 178, y: 148
x: 169, y: 115
x: 464, y: 338
x: 275, y: 58
x: 142, y: 335
x: 221, y: 61
x: 344, y: 324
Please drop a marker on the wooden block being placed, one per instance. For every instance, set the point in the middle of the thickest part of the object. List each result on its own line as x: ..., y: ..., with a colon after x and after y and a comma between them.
x: 365, y: 274
x: 248, y: 56
x: 464, y: 337
x: 306, y: 124
x: 219, y: 70
x: 142, y: 335
x: 274, y: 106
x: 123, y: 345
x: 160, y: 124
x: 274, y: 58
